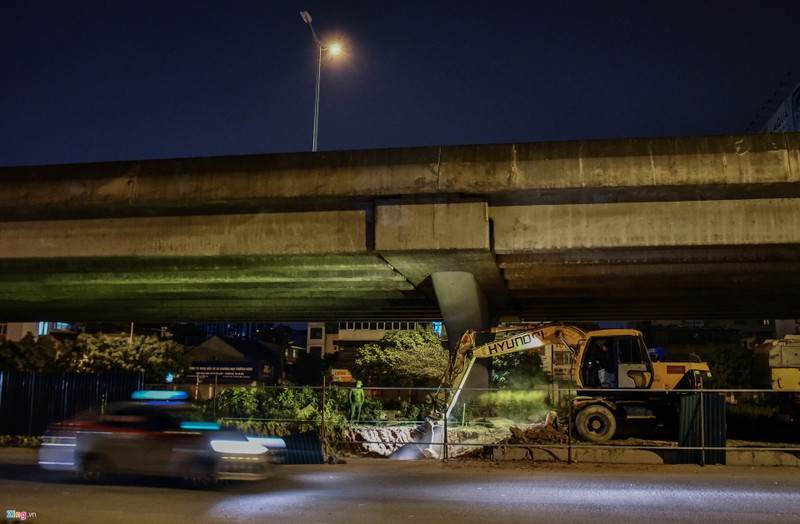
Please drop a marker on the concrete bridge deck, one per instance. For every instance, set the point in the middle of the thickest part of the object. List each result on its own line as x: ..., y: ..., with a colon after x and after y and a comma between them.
x: 694, y: 227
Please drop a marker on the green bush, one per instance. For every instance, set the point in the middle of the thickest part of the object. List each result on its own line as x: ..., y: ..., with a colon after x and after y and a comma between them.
x: 409, y: 411
x: 239, y: 402
x: 280, y: 411
x: 283, y: 411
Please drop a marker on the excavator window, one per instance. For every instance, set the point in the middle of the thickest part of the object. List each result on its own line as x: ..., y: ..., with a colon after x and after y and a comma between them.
x: 630, y: 351
x: 624, y: 355
x: 597, y: 357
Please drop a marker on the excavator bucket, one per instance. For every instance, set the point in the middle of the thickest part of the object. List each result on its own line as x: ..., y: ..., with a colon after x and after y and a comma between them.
x: 427, y: 443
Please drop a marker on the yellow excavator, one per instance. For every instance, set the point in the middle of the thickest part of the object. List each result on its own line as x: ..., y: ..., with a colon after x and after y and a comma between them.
x: 611, y: 368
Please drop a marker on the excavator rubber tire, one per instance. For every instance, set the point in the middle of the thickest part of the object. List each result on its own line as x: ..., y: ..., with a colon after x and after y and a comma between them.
x: 595, y: 423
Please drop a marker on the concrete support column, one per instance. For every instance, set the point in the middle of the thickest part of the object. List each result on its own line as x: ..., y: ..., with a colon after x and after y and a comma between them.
x: 463, y: 305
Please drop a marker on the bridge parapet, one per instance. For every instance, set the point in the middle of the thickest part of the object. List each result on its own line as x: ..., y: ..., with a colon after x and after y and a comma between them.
x: 554, y: 172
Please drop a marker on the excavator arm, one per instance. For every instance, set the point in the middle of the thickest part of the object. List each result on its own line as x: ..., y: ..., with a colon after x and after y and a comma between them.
x: 429, y: 436
x: 524, y: 339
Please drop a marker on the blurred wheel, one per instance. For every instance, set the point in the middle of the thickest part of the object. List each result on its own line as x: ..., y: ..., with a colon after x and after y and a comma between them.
x: 95, y: 468
x: 200, y: 474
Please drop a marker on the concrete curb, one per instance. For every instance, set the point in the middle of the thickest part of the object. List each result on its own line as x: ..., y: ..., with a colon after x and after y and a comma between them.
x: 19, y: 455
x: 752, y: 457
x: 611, y: 455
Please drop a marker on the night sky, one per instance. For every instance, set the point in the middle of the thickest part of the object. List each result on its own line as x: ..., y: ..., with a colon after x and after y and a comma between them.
x: 86, y: 81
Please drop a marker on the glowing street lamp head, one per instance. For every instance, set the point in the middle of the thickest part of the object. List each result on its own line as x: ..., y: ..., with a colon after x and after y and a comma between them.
x: 334, y: 49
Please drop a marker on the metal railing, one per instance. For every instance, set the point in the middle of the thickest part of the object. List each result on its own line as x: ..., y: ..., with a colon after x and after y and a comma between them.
x: 701, y: 431
x: 708, y: 424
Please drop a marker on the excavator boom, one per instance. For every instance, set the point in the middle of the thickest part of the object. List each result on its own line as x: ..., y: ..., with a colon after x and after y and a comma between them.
x: 532, y: 338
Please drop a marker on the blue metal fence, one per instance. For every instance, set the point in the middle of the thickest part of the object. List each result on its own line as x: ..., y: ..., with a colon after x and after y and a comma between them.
x: 29, y: 400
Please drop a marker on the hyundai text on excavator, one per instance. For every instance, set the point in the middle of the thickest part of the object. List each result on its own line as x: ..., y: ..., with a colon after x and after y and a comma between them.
x: 635, y: 384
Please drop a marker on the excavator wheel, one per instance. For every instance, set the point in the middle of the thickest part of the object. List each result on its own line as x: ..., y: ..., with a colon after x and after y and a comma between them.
x: 596, y: 423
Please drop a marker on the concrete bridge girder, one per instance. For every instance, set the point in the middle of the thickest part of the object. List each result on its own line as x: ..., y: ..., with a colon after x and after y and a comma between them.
x: 215, y: 235
x: 597, y: 229
x: 542, y: 255
x: 646, y: 224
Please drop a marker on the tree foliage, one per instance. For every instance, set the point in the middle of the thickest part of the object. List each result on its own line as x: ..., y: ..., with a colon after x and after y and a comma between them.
x: 402, y: 359
x: 154, y: 357
x: 32, y: 354
x: 95, y: 353
x: 521, y: 370
x: 731, y: 367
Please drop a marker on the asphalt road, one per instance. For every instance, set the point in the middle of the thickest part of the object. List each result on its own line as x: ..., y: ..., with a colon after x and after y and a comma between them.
x: 384, y: 491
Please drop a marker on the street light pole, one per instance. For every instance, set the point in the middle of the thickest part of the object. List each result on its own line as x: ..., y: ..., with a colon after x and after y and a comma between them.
x: 334, y: 49
x: 316, y: 100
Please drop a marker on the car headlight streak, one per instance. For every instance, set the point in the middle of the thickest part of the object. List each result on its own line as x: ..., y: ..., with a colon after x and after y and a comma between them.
x: 237, y: 447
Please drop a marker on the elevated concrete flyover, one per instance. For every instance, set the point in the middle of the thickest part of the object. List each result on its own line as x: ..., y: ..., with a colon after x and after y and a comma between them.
x: 694, y: 227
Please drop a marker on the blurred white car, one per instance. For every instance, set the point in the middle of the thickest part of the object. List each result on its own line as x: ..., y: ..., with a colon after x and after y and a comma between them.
x: 155, y: 436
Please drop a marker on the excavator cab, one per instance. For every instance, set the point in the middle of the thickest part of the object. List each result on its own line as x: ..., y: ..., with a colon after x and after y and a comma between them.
x: 615, y: 361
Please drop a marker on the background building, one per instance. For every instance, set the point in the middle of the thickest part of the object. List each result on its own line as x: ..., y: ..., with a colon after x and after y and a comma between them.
x: 13, y: 331
x: 326, y: 338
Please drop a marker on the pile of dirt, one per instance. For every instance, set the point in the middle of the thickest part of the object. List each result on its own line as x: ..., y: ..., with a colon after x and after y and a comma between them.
x: 537, y: 434
x: 542, y: 433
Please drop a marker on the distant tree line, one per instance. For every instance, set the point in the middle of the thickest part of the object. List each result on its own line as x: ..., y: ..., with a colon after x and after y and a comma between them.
x: 401, y: 358
x: 96, y: 353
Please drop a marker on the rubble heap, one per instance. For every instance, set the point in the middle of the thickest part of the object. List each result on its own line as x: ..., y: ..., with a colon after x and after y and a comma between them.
x: 544, y: 432
x: 377, y: 441
x: 472, y: 440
